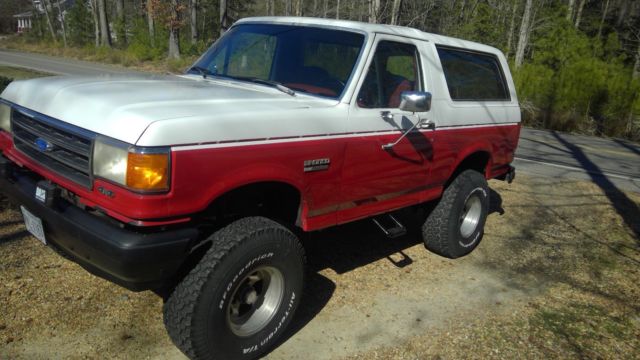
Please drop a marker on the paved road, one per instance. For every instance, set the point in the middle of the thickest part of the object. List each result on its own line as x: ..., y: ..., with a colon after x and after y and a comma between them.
x: 57, y: 65
x: 605, y: 161
x: 542, y: 152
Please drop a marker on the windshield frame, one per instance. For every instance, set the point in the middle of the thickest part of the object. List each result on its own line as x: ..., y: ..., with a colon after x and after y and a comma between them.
x: 348, y: 83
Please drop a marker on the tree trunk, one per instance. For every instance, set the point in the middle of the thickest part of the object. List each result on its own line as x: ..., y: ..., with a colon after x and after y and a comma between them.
x: 525, y: 28
x: 121, y: 23
x: 64, y: 32
x: 622, y: 12
x: 270, y: 7
x: 36, y: 18
x: 299, y: 6
x: 512, y: 26
x: 395, y: 12
x: 193, y: 10
x: 374, y: 11
x: 96, y: 22
x: 636, y: 65
x: 105, y: 36
x: 572, y: 5
x: 338, y: 9
x: 579, y: 15
x: 604, y: 17
x: 223, y: 16
x: 326, y: 8
x: 287, y: 7
x: 45, y: 6
x: 203, y: 29
x: 150, y: 23
x: 174, y: 31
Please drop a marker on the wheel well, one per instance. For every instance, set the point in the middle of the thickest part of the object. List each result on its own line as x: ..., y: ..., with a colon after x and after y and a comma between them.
x: 477, y: 161
x: 275, y: 200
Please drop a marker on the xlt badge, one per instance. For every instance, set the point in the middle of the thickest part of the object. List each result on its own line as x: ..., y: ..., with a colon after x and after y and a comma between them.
x: 316, y: 165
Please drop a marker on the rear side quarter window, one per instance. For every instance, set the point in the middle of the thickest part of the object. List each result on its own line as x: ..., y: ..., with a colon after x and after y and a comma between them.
x: 473, y: 76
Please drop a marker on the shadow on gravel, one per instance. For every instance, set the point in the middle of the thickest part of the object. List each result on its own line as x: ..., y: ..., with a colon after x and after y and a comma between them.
x: 350, y: 246
x: 13, y: 236
x: 555, y: 244
x: 626, y: 208
x: 317, y: 293
x: 11, y: 223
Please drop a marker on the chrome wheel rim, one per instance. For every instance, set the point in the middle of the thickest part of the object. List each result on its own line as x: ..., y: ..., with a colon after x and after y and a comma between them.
x: 255, y: 301
x: 470, y: 216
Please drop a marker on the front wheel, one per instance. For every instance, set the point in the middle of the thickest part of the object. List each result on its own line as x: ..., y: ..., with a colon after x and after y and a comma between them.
x: 241, y: 296
x: 456, y: 225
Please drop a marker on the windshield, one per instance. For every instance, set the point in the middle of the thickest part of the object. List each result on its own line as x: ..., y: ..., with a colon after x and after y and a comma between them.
x: 305, y: 59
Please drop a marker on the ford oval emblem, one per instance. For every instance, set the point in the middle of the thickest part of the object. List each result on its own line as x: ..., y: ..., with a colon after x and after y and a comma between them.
x: 43, y: 145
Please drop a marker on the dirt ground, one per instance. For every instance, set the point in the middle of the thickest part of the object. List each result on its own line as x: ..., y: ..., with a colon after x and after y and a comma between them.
x: 557, y: 275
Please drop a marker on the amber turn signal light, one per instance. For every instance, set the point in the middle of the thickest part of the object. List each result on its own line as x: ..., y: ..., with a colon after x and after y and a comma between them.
x: 148, y: 172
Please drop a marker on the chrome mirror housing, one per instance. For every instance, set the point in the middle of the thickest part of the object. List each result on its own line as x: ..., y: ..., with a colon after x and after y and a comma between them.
x: 415, y: 101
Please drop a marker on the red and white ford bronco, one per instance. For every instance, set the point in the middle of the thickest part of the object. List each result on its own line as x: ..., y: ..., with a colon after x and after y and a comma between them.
x: 197, y: 184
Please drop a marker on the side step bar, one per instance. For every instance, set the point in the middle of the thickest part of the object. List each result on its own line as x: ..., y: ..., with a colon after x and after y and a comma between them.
x: 391, y: 227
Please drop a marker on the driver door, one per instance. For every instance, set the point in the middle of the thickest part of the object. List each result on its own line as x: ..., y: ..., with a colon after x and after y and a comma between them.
x: 374, y: 178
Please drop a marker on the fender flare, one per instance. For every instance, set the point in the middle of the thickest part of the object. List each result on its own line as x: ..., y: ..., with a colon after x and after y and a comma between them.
x: 255, y: 174
x: 479, y: 147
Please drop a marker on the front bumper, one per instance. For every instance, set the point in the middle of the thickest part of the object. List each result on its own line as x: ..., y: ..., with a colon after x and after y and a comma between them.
x: 135, y: 260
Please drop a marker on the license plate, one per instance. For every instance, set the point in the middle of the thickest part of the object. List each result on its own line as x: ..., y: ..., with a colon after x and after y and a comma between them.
x: 34, y: 225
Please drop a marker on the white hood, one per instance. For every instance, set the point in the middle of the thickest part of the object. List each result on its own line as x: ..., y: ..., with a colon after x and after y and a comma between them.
x: 195, y: 110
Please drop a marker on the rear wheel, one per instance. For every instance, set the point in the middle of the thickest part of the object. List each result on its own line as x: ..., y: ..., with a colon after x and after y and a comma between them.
x: 456, y: 225
x: 241, y: 296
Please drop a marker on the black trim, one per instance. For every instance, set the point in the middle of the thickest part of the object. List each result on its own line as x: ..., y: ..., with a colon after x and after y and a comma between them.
x: 136, y: 260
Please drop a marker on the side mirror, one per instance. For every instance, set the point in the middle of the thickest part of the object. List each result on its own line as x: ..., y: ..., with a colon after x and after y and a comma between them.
x: 415, y: 101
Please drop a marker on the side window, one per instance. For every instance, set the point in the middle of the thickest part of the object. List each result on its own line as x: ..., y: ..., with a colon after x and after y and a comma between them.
x: 395, y: 68
x: 473, y: 76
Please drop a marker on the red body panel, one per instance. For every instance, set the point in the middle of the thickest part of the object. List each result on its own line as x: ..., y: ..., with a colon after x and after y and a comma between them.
x: 362, y: 178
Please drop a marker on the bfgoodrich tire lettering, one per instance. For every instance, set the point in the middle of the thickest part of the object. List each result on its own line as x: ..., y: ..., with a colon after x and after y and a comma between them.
x: 215, y: 312
x: 456, y: 225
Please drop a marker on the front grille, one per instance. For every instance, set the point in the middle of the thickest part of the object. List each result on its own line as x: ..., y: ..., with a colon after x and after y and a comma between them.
x: 67, y: 151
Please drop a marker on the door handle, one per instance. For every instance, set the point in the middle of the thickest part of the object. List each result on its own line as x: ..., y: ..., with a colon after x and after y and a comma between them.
x: 386, y: 116
x: 427, y: 124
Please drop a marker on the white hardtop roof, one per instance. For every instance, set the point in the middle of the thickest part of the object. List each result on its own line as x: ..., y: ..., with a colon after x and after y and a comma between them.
x: 373, y: 28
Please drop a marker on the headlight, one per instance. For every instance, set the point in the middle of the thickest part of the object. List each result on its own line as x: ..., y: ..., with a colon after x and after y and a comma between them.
x: 138, y: 169
x: 5, y: 116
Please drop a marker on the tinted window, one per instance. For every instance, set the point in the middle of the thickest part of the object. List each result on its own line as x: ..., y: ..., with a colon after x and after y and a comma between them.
x: 306, y: 59
x: 472, y: 76
x: 394, y: 69
x: 251, y: 55
x: 333, y: 58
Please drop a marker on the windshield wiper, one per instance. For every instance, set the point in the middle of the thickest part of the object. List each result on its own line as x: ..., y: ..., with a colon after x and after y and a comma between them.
x: 271, y: 83
x: 274, y: 84
x: 203, y: 71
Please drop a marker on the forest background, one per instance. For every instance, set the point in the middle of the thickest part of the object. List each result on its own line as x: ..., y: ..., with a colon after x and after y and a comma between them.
x: 576, y: 63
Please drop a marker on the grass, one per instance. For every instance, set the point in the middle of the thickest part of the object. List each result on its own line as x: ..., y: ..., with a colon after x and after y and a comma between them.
x: 8, y: 74
x: 16, y: 73
x: 112, y: 56
x: 583, y: 329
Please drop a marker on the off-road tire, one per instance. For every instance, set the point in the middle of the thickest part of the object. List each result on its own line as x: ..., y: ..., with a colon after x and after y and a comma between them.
x: 441, y: 231
x: 196, y: 314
